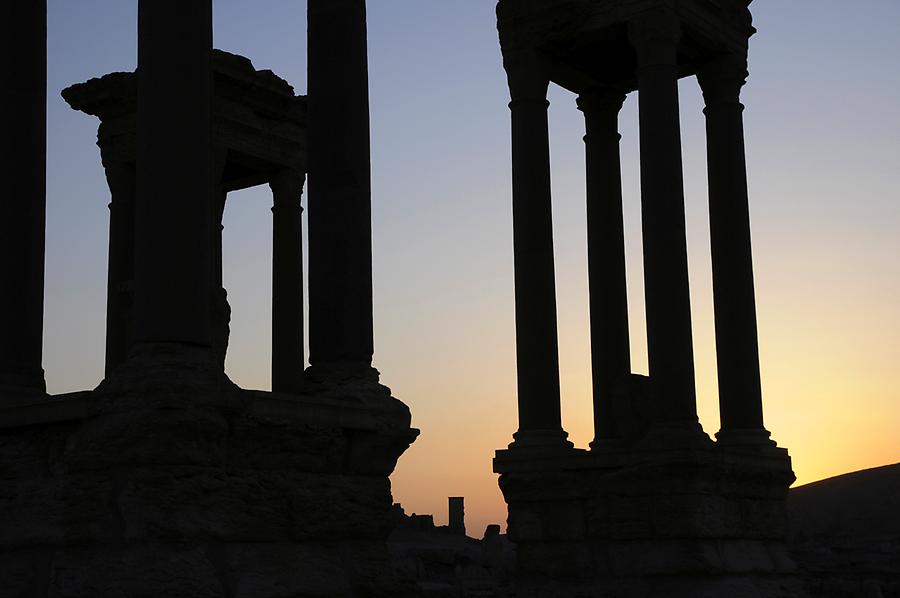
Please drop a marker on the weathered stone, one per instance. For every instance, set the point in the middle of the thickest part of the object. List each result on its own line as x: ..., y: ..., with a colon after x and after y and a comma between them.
x: 51, y: 511
x: 24, y: 453
x: 257, y: 443
x: 156, y: 437
x: 204, y: 504
x: 23, y: 574
x: 286, y: 571
x: 340, y: 507
x: 149, y: 571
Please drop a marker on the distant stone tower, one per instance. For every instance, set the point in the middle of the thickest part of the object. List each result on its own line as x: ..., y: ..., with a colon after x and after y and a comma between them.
x: 168, y: 479
x: 655, y: 507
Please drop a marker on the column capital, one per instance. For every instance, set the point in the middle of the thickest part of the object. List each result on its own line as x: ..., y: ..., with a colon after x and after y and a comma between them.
x: 528, y: 76
x: 287, y: 187
x: 607, y: 100
x: 655, y: 38
x: 721, y: 80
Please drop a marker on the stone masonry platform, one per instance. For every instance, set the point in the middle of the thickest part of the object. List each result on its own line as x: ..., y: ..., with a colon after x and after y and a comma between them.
x: 225, y: 492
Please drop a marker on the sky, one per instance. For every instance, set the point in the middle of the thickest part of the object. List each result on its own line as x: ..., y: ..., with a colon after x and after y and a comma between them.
x: 823, y: 147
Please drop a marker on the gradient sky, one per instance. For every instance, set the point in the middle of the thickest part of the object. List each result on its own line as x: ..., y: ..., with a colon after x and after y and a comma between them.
x: 823, y: 135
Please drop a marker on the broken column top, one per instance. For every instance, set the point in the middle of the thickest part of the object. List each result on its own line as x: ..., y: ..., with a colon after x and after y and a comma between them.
x: 257, y: 119
x: 585, y: 42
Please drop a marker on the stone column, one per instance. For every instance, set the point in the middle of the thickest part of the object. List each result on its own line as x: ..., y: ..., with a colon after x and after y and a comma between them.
x: 340, y: 211
x: 120, y: 178
x: 220, y: 310
x: 610, y: 349
x: 23, y: 105
x: 668, y: 305
x: 737, y: 348
x: 537, y: 351
x: 287, y: 282
x: 174, y: 172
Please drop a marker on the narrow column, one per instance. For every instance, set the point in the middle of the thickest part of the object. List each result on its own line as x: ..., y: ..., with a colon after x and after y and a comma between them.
x: 174, y: 164
x: 287, y: 282
x: 610, y: 349
x: 23, y: 105
x: 220, y: 310
x: 737, y: 347
x: 120, y: 178
x: 537, y: 350
x: 340, y: 211
x: 668, y: 305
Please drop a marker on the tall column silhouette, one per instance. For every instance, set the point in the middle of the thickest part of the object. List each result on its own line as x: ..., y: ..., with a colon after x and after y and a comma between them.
x: 737, y: 345
x: 23, y: 199
x: 340, y: 211
x: 174, y: 172
x: 120, y: 278
x: 537, y: 350
x: 287, y: 282
x: 610, y: 348
x: 668, y: 306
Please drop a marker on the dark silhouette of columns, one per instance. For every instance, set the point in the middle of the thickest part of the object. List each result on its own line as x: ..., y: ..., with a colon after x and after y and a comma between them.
x: 120, y: 278
x: 737, y: 348
x: 23, y: 104
x: 287, y: 282
x: 340, y: 211
x: 537, y: 350
x: 610, y: 349
x: 174, y: 172
x: 669, y: 340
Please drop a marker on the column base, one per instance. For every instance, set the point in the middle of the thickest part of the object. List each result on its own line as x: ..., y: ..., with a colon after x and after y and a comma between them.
x: 747, y: 437
x: 21, y: 383
x: 159, y: 374
x: 341, y: 372
x: 540, y: 440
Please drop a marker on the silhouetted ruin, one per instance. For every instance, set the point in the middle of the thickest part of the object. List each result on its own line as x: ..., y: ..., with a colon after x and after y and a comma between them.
x: 167, y: 479
x: 654, y: 508
x: 259, y: 137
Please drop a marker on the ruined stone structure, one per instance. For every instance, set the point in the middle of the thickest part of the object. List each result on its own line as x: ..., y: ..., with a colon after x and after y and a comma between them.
x: 655, y: 507
x: 259, y: 137
x: 167, y: 479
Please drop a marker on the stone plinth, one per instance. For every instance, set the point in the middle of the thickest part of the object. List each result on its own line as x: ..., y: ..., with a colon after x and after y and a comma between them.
x: 650, y: 523
x: 138, y: 492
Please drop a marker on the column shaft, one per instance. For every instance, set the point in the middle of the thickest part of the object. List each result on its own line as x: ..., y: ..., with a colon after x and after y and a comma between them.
x: 610, y: 348
x: 340, y: 219
x: 23, y: 105
x: 537, y: 351
x: 287, y: 283
x: 174, y: 172
x: 668, y: 306
x: 120, y: 279
x: 737, y: 347
x: 220, y: 310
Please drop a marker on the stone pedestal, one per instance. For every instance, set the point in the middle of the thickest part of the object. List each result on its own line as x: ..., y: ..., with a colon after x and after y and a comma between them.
x: 139, y: 492
x: 648, y: 523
